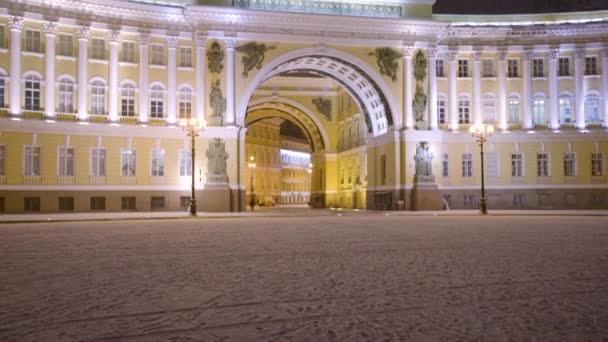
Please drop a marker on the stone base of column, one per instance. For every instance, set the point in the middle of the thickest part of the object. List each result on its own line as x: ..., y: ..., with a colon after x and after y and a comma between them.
x: 215, y: 198
x: 426, y: 196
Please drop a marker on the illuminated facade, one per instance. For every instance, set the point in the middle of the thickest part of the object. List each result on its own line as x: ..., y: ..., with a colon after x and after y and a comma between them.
x: 91, y: 92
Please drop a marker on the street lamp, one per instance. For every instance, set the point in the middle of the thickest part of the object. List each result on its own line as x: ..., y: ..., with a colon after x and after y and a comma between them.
x: 192, y: 126
x: 481, y: 133
x: 251, y: 169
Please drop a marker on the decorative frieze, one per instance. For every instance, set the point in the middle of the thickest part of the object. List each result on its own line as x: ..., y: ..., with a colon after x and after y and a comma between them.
x: 386, y: 59
x: 253, y: 56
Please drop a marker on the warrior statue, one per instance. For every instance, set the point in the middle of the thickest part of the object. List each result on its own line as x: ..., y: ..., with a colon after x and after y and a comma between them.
x: 216, y: 157
x: 217, y: 100
x: 423, y: 158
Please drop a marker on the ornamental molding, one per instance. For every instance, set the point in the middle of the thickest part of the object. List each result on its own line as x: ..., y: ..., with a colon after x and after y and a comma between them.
x: 553, y: 54
x: 605, y: 52
x: 432, y: 52
x: 50, y: 28
x: 113, y: 36
x: 83, y: 32
x: 579, y: 53
x: 15, y: 23
x: 501, y: 54
x: 230, y: 42
x: 143, y: 38
x: 200, y: 39
x: 477, y: 54
x: 452, y: 55
x: 172, y: 42
x: 528, y: 54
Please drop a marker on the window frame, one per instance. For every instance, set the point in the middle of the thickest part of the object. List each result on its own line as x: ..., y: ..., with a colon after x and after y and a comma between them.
x: 98, y: 48
x: 157, y: 164
x: 517, y: 165
x: 570, y: 164
x: 467, y: 165
x: 128, y: 162
x: 543, y: 165
x: 65, y: 162
x: 97, y: 161
x: 463, y: 68
x: 32, y: 46
x: 65, y: 49
x: 597, y: 159
x: 30, y: 159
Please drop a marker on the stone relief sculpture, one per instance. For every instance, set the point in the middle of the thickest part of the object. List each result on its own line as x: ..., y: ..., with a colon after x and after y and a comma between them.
x: 215, y: 58
x: 253, y: 57
x: 420, y: 66
x: 216, y: 161
x: 217, y: 100
x: 386, y: 59
x: 424, y: 163
x: 323, y: 106
x: 420, y: 99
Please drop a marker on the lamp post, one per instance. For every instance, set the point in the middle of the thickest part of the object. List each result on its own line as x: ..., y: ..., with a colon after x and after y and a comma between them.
x: 251, y: 169
x: 481, y: 133
x: 192, y: 126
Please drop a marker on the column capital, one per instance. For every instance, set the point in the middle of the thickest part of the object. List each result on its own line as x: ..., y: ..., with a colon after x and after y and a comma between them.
x: 15, y: 23
x: 200, y: 39
x: 172, y: 42
x: 502, y: 53
x: 83, y: 32
x: 432, y: 52
x: 230, y: 42
x: 452, y: 55
x: 143, y: 38
x: 528, y: 54
x: 604, y: 52
x: 113, y: 37
x: 579, y: 53
x: 553, y: 54
x: 50, y: 28
x: 407, y: 51
x: 477, y: 55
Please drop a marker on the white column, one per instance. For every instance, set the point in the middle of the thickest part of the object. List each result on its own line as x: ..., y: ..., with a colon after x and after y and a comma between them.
x: 527, y: 93
x: 172, y: 43
x: 605, y: 84
x: 433, y: 121
x: 452, y: 98
x: 113, y: 41
x: 553, y: 96
x: 477, y: 112
x: 407, y: 87
x: 200, y: 41
x: 230, y: 115
x: 50, y: 32
x: 16, y: 26
x: 579, y: 102
x: 144, y: 40
x: 83, y: 86
x: 501, y: 54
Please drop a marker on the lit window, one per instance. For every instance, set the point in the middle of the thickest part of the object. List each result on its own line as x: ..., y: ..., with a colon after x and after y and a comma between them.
x: 565, y: 109
x: 156, y: 101
x: 592, y: 109
x: 98, y: 97
x: 185, y: 102
x: 463, y: 110
x: 32, y: 92
x: 591, y: 65
x: 542, y: 164
x: 2, y: 89
x: 185, y: 56
x: 439, y: 68
x: 127, y: 162
x: 597, y: 164
x: 512, y: 68
x: 66, y: 161
x: 489, y: 109
x: 514, y: 109
x: 156, y: 54
x: 127, y: 100
x: 185, y: 162
x: 31, y: 162
x: 488, y: 67
x: 564, y: 66
x: 538, y: 68
x: 441, y: 110
x: 538, y: 111
x: 444, y: 165
x: 66, y: 45
x: 98, y: 162
x: 66, y: 95
x: 98, y: 48
x: 157, y: 164
x: 463, y: 68
x: 517, y: 165
x: 32, y: 41
x: 467, y: 165
x: 128, y: 52
x: 569, y: 164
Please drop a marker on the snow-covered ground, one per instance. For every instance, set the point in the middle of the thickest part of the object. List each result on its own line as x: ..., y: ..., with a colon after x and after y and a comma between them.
x: 348, y: 278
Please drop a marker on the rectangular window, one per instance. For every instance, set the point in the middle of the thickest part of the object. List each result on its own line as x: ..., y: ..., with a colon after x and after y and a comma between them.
x: 463, y: 68
x: 66, y: 203
x: 517, y: 165
x: 467, y: 165
x: 32, y: 41
x: 185, y: 163
x: 98, y: 162
x: 444, y: 165
x: 463, y: 111
x: 512, y: 68
x: 439, y: 68
x: 441, y: 111
x: 2, y: 205
x: 513, y: 110
x: 563, y: 66
x: 127, y: 203
x: 519, y: 201
x: 2, y: 159
x: 538, y: 112
x: 31, y: 161
x: 185, y: 56
x: 538, y: 68
x: 382, y: 169
x: 157, y: 203
x: 66, y: 161
x: 2, y: 36
x: 98, y: 48
x: 488, y: 67
x: 570, y: 164
x: 542, y: 164
x: 492, y: 164
x: 184, y: 202
x: 31, y: 204
x: 66, y: 45
x: 128, y: 52
x: 591, y: 65
x: 127, y: 162
x: 597, y: 164
x: 158, y: 163
x: 469, y: 201
x: 156, y: 54
x: 98, y: 203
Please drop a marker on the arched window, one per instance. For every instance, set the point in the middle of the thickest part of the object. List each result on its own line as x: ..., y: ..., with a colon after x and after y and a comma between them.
x: 185, y: 102
x: 32, y: 92
x: 513, y: 105
x: 127, y: 100
x: 565, y: 108
x: 2, y: 90
x: 156, y: 101
x: 463, y: 110
x: 441, y: 110
x: 538, y: 110
x: 98, y: 97
x: 592, y: 109
x: 66, y: 95
x: 489, y: 109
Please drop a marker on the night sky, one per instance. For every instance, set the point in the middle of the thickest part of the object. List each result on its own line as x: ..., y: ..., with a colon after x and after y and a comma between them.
x: 516, y: 6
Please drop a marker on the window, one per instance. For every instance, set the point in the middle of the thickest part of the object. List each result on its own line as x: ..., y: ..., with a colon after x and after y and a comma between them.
x: 469, y: 201
x: 66, y: 161
x: 467, y: 165
x: 127, y: 100
x: 512, y: 68
x: 128, y: 52
x: 538, y: 111
x: 517, y: 165
x: 98, y: 162
x: 32, y: 41
x: 597, y: 164
x: 66, y: 95
x: 156, y: 101
x: 2, y: 158
x: 2, y: 89
x: 2, y: 208
x: 463, y: 110
x: 489, y: 109
x: 487, y: 67
x: 357, y: 133
x: 444, y: 165
x: 66, y: 45
x: 156, y: 54
x: 32, y: 92
x: 98, y: 203
x: 441, y: 110
x: 98, y: 48
x: 31, y: 161
x: 185, y: 163
x: 383, y: 169
x: 463, y: 68
x: 439, y: 68
x: 184, y: 202
x: 1, y: 36
x: 127, y: 203
x: 128, y: 158
x: 185, y: 56
x: 542, y: 164
x: 569, y: 164
x: 563, y: 66
x: 98, y: 97
x: 565, y: 109
x: 591, y: 65
x: 514, y: 109
x: 31, y: 204
x: 158, y: 163
x: 185, y: 102
x: 519, y: 201
x: 157, y: 203
x: 66, y: 203
x: 592, y: 109
x: 538, y: 67
x: 492, y: 164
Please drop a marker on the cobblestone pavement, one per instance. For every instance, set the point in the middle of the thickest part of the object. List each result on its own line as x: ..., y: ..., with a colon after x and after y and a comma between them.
x: 329, y: 278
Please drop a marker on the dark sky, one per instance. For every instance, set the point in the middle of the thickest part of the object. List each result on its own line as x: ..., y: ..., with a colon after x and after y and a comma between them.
x: 516, y: 6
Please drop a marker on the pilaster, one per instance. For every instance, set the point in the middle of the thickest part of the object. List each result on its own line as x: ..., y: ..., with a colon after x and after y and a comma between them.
x: 433, y: 121
x: 230, y: 43
x: 200, y: 41
x: 113, y: 41
x: 83, y: 38
x: 172, y: 43
x: 527, y: 92
x: 16, y: 26
x: 407, y: 87
x: 553, y: 55
x: 144, y: 40
x: 50, y: 32
x: 477, y: 112
x: 501, y: 54
x: 452, y: 98
x: 579, y: 88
